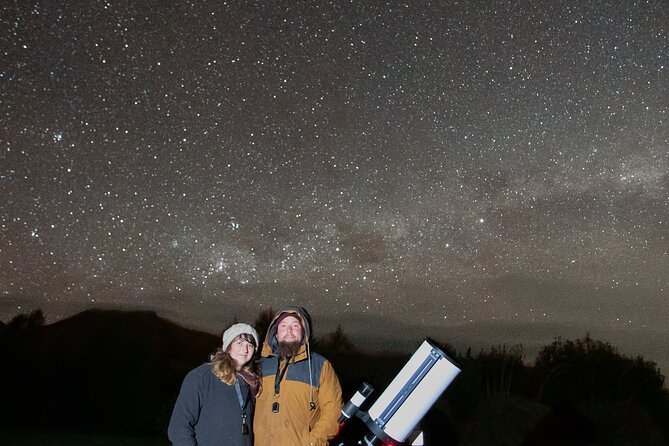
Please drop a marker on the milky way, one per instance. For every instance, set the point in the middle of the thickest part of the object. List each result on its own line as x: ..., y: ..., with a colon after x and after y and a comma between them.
x: 481, y: 172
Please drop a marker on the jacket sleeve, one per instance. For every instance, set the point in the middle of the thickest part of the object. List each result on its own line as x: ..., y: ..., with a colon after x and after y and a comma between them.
x: 186, y: 412
x: 329, y: 399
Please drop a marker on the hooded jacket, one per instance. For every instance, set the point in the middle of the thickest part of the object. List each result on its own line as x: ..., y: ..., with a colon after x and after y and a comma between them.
x: 305, y: 410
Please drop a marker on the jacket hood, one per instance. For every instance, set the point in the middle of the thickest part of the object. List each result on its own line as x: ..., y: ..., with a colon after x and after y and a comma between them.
x: 270, y: 344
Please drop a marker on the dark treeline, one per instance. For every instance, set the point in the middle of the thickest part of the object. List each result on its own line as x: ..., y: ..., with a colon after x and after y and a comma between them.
x: 120, y: 372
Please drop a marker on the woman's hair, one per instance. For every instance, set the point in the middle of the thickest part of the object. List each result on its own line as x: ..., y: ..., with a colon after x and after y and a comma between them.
x: 224, y: 366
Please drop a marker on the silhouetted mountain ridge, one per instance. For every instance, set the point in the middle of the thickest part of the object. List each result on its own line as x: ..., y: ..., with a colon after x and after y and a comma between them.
x: 100, y: 370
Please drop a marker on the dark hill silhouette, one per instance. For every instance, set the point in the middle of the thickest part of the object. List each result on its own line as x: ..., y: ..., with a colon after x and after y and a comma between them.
x: 98, y: 370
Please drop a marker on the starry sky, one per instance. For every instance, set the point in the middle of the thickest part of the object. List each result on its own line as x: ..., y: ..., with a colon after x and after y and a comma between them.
x: 482, y: 172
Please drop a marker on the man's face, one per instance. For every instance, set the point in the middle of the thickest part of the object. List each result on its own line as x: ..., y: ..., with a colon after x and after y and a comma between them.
x: 289, y: 330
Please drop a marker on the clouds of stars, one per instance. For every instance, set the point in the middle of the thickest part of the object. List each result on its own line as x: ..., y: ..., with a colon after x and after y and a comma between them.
x: 442, y: 164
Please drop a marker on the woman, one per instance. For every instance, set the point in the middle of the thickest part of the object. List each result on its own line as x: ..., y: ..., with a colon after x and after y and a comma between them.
x: 216, y: 402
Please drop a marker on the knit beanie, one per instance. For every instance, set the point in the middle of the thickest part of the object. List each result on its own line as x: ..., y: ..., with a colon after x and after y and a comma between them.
x: 286, y: 314
x: 231, y: 333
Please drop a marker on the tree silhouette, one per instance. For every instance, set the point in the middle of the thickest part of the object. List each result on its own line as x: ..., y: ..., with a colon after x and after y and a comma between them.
x: 262, y: 322
x: 588, y: 368
x: 24, y: 322
x: 336, y: 342
x: 624, y: 397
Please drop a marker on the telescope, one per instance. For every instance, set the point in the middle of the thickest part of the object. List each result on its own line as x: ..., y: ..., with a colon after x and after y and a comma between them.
x: 395, y: 414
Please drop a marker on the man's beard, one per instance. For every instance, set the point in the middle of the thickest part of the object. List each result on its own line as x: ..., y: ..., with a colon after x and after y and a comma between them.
x: 288, y: 349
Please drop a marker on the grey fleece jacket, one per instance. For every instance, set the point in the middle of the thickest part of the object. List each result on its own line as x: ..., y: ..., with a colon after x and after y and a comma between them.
x: 207, y: 412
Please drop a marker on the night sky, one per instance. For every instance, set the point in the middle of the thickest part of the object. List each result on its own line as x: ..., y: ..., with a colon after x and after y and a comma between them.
x: 482, y: 172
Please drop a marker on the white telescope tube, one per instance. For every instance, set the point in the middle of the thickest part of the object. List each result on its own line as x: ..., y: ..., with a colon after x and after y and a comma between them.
x: 413, y: 391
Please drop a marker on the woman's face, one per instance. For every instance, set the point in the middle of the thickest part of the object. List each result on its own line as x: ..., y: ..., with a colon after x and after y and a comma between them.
x: 241, y: 351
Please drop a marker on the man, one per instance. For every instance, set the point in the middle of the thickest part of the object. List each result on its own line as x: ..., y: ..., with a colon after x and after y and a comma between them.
x: 300, y: 400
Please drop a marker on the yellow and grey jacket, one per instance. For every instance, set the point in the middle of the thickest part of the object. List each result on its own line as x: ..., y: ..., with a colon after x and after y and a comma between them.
x: 300, y: 402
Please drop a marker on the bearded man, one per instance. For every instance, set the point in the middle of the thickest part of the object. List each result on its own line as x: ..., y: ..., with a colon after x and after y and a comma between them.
x: 300, y: 400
